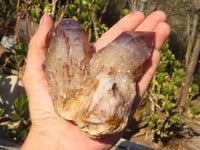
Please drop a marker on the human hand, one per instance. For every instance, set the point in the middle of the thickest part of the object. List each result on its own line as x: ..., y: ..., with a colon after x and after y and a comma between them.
x: 49, y: 131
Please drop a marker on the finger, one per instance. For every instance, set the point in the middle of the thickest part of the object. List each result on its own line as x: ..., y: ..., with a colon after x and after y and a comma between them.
x: 149, y: 69
x: 37, y: 45
x: 162, y: 31
x: 127, y: 23
x: 34, y: 79
x: 151, y: 21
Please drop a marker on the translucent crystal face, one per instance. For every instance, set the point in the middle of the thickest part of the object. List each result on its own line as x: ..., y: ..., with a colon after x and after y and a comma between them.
x: 96, y: 93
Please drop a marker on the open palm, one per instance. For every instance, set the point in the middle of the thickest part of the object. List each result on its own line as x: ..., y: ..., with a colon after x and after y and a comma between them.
x: 48, y: 131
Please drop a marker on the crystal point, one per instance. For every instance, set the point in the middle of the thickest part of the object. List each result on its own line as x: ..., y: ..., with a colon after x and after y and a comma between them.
x: 68, y: 57
x: 96, y: 93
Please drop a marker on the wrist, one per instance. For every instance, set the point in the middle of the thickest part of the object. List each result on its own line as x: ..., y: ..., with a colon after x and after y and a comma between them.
x: 40, y: 140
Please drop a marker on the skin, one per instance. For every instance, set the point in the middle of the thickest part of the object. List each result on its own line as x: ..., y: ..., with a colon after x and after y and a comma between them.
x: 48, y: 131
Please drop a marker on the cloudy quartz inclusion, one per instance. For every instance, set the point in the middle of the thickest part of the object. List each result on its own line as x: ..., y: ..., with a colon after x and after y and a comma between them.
x: 96, y: 93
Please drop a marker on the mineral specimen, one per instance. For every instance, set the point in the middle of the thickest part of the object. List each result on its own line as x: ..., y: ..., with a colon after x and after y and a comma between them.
x: 96, y: 93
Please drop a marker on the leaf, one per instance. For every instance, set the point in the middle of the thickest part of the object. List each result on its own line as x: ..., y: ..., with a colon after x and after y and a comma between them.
x: 154, y: 118
x: 176, y: 119
x: 165, y: 47
x: 83, y: 3
x: 95, y: 8
x: 161, y: 78
x: 179, y: 72
x: 160, y: 126
x: 168, y: 55
x: 171, y: 133
x: 176, y: 64
x: 168, y: 106
x: 194, y: 88
x: 124, y: 12
x: 197, y: 79
x: 23, y: 134
x: 151, y: 125
x: 196, y: 111
x: 14, y: 131
x: 21, y: 106
x: 35, y: 13
x: 178, y: 81
x: 161, y: 96
x: 5, y: 129
x: 78, y: 2
x: 47, y: 9
x: 161, y: 67
x: 13, y: 117
x: 190, y: 115
x: 84, y: 16
x: 60, y: 11
x: 2, y: 112
x: 189, y: 103
x: 22, y: 49
x: 169, y: 90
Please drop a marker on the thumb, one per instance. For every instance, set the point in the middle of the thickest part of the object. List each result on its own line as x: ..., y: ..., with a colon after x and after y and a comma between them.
x: 34, y: 79
x: 37, y: 45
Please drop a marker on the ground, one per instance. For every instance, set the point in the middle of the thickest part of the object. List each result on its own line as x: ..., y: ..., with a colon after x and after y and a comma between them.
x: 187, y: 140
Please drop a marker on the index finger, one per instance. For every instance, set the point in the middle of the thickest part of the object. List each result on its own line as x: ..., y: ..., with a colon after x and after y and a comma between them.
x: 133, y: 21
x: 127, y: 23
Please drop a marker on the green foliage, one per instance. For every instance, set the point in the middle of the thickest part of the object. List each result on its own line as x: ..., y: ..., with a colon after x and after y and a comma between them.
x: 20, y: 120
x: 86, y: 12
x: 168, y: 106
x: 1, y: 112
x: 153, y: 120
x: 8, y: 11
x: 22, y: 51
x: 83, y: 11
x: 168, y: 78
x: 193, y: 89
x: 179, y: 74
x: 34, y: 13
x: 197, y: 79
x: 165, y: 119
x: 196, y: 111
x: 176, y: 119
x: 17, y: 58
x: 124, y: 12
x: 189, y: 103
x: 193, y: 111
x: 21, y: 107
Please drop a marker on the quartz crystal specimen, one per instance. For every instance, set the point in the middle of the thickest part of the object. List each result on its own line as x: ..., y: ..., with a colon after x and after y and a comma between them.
x: 96, y: 93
